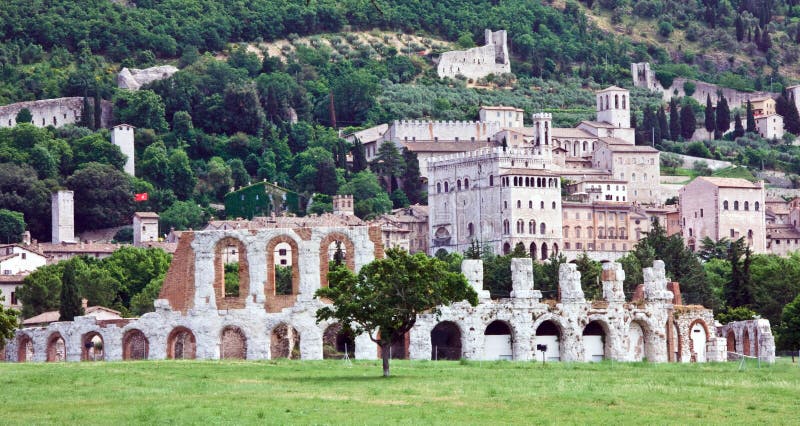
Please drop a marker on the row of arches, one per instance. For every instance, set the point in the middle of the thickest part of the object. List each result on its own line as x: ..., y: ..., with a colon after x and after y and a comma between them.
x: 182, y: 344
x: 521, y: 227
x: 535, y: 250
x: 232, y: 269
x: 745, y: 205
x: 530, y: 182
x: 601, y: 106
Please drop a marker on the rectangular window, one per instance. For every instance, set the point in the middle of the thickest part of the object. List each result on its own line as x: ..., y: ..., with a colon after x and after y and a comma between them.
x: 24, y: 256
x: 13, y: 297
x: 701, y: 212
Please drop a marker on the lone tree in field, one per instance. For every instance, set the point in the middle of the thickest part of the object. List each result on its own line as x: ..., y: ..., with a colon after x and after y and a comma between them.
x: 386, y: 296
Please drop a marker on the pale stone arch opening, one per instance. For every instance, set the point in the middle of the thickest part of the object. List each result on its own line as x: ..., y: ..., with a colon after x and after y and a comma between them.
x: 498, y: 341
x: 446, y: 341
x: 596, y: 344
x: 92, y: 347
x: 56, y: 348
x: 231, y: 273
x: 135, y: 345
x: 336, y: 342
x: 181, y: 344
x: 284, y: 342
x: 335, y: 248
x: 731, y: 341
x: 698, y: 339
x: 25, y: 349
x: 746, y: 342
x: 283, y: 273
x: 233, y: 343
x: 637, y: 344
x: 548, y: 333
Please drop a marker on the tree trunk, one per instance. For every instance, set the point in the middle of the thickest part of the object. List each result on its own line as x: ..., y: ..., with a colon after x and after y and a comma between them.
x: 385, y: 354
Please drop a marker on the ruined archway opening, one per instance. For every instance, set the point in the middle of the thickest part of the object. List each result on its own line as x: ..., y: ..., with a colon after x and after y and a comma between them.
x: 283, y: 269
x: 498, y: 341
x: 56, y: 348
x: 233, y: 343
x: 135, y: 345
x: 338, y: 342
x: 637, y: 347
x: 731, y: 341
x: 336, y: 250
x: 24, y: 349
x: 284, y: 342
x: 446, y: 341
x: 594, y: 342
x: 698, y: 339
x: 746, y: 342
x: 92, y: 347
x: 549, y: 334
x: 181, y: 344
x: 673, y: 341
x: 231, y: 274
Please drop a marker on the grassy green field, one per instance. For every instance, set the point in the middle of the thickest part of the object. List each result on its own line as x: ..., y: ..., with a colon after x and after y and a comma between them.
x: 329, y: 392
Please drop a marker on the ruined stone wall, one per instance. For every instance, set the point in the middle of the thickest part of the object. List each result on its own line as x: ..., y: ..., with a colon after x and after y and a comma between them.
x: 190, y: 323
x: 749, y: 338
x: 53, y: 112
x: 478, y: 62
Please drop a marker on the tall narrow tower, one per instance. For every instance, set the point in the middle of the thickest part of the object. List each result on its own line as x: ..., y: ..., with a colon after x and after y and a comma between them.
x: 613, y: 107
x: 63, y: 217
x: 542, y: 132
x: 122, y: 136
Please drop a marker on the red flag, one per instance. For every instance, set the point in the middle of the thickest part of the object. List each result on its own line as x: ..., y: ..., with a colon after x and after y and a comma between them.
x: 140, y: 197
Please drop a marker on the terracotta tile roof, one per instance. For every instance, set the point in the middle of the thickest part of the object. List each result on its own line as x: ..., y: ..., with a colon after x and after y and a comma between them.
x: 729, y: 182
x: 782, y: 231
x: 79, y: 247
x: 611, y: 88
x: 600, y: 124
x: 12, y: 279
x: 562, y: 132
x: 369, y: 135
x: 53, y: 316
x: 502, y: 107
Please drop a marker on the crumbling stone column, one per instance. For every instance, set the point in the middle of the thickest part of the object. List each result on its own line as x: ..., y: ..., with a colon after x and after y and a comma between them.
x: 613, y: 277
x: 569, y: 284
x: 522, y: 280
x: 473, y: 271
x: 655, y: 284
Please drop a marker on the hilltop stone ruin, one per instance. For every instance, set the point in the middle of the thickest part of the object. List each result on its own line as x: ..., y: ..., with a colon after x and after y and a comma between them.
x: 478, y: 62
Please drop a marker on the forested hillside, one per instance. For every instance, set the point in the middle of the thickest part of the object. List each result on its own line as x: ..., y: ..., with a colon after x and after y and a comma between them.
x: 225, y: 119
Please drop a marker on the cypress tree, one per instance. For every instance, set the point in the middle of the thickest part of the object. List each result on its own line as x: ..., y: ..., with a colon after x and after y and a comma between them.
x: 359, y: 157
x: 710, y: 124
x: 652, y: 132
x: 70, y: 299
x: 87, y: 114
x: 739, y: 28
x: 723, y: 121
x: 688, y: 122
x: 757, y: 38
x: 663, y: 125
x: 751, y: 119
x: 791, y: 121
x: 766, y: 40
x: 738, y: 130
x: 674, y: 121
x: 98, y: 111
x: 412, y: 178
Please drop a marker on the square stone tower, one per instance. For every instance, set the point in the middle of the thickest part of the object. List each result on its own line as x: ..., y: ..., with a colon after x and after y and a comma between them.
x: 63, y: 214
x: 343, y: 205
x: 145, y: 227
x: 613, y: 107
x: 122, y: 136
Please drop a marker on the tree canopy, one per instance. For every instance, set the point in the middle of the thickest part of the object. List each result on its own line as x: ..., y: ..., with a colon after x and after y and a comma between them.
x: 385, y: 297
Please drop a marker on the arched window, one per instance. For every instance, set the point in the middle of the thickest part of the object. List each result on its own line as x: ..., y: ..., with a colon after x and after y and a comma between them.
x: 458, y: 184
x: 530, y: 204
x: 446, y: 187
x: 519, y: 204
x: 757, y: 206
x: 542, y: 228
x: 506, y: 227
x: 746, y: 206
x: 623, y: 102
x: 616, y: 101
x: 577, y: 232
x: 466, y: 183
x: 438, y: 187
x: 736, y: 205
x: 532, y: 227
x: 725, y: 205
x: 491, y: 180
x: 541, y: 205
x: 606, y: 102
x: 520, y: 226
x: 470, y: 229
x: 554, y: 205
x: 690, y: 232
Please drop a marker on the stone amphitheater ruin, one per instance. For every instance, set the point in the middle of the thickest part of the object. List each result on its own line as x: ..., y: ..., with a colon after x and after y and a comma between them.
x: 195, y: 317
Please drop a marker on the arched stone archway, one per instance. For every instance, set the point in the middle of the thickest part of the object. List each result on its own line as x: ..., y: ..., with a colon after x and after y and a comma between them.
x: 698, y: 340
x: 637, y: 347
x: 279, y: 294
x: 25, y: 349
x: 233, y: 343
x: 446, y: 341
x: 498, y: 341
x: 56, y: 348
x: 745, y: 342
x: 336, y: 342
x: 596, y: 341
x: 231, y: 253
x: 548, y: 333
x: 325, y: 254
x: 181, y: 344
x: 731, y: 341
x: 135, y: 345
x: 284, y: 342
x: 674, y: 346
x: 92, y: 347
